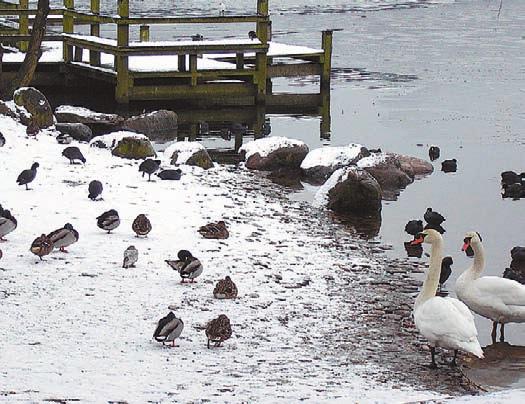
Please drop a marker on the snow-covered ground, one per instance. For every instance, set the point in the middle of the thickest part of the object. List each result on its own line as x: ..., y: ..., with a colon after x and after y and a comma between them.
x: 78, y: 325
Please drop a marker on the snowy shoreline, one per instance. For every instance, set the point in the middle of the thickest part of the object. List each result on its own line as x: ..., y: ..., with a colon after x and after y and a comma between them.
x: 80, y: 326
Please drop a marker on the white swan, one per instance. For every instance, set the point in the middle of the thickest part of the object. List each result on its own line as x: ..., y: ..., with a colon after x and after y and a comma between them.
x: 499, y: 299
x: 443, y: 321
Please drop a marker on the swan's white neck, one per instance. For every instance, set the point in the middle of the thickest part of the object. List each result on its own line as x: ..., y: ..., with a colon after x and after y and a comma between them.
x: 430, y: 285
x: 479, y: 260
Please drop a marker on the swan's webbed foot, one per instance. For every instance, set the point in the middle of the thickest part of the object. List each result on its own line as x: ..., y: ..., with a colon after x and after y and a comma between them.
x: 452, y: 363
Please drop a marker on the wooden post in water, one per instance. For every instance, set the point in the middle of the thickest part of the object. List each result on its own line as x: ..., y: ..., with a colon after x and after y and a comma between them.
x: 68, y: 27
x: 261, y: 58
x: 325, y: 127
x: 144, y: 33
x: 23, y: 25
x: 94, y: 30
x: 327, y: 60
x: 121, y: 61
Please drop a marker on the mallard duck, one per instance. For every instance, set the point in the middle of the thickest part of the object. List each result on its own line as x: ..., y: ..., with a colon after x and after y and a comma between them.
x: 27, y: 176
x: 64, y: 237
x: 225, y: 289
x: 218, y: 330
x: 141, y: 225
x: 214, y: 230
x: 131, y: 256
x: 149, y: 166
x: 42, y: 246
x: 187, y: 266
x: 168, y: 329
x: 108, y: 220
x: 73, y: 153
x: 7, y: 223
x: 95, y: 188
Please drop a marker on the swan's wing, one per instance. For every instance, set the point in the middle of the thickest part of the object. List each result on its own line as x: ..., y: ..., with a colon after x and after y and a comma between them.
x: 446, y: 317
x: 509, y: 292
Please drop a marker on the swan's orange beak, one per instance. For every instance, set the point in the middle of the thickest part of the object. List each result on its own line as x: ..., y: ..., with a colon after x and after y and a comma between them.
x: 417, y: 241
x: 465, y: 246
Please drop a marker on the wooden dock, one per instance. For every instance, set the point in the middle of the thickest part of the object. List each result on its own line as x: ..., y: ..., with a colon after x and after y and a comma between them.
x: 219, y: 72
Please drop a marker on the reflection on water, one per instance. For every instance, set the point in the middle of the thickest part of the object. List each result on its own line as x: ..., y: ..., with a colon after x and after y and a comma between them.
x: 503, y: 367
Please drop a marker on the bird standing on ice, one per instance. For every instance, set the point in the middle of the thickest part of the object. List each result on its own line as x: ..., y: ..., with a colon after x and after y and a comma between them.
x: 443, y: 321
x: 168, y: 329
x: 222, y: 9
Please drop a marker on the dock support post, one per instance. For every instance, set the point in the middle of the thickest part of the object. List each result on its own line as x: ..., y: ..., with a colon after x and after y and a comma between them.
x: 261, y: 58
x: 193, y: 70
x: 94, y: 30
x: 144, y: 33
x: 239, y: 60
x: 181, y: 64
x: 327, y: 60
x: 77, y: 54
x: 23, y: 25
x: 121, y: 61
x: 68, y: 27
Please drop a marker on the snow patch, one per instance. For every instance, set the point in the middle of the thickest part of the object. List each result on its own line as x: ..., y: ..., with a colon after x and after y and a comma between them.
x: 184, y: 149
x: 84, y: 112
x: 112, y: 139
x: 331, y: 156
x: 267, y: 145
x: 372, y: 160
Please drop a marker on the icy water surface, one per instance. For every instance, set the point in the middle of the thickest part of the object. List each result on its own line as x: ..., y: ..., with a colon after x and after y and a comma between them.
x: 410, y: 73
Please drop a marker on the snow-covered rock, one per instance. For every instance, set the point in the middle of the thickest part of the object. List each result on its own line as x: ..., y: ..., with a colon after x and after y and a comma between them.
x: 189, y: 153
x: 273, y: 153
x: 77, y: 131
x: 386, y: 169
x: 320, y: 163
x: 157, y: 125
x: 36, y: 104
x: 350, y: 190
x: 125, y: 144
x: 95, y: 120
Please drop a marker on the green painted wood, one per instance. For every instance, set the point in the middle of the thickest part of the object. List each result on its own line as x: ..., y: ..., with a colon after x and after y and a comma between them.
x: 68, y: 27
x: 23, y: 24
x: 327, y: 60
x: 144, y: 33
x: 94, y: 30
x: 194, y: 20
x: 150, y: 93
x: 121, y: 60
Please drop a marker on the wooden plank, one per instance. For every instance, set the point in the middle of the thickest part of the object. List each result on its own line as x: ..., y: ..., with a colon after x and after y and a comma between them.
x: 23, y: 25
x: 220, y: 74
x: 121, y: 60
x: 294, y: 70
x: 149, y: 93
x: 10, y: 38
x: 83, y: 69
x: 84, y: 17
x: 154, y: 50
x: 94, y: 30
x: 28, y: 11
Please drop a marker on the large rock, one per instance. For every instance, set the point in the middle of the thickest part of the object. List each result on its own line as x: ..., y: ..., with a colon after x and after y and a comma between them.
x: 98, y: 122
x: 157, y: 125
x: 273, y: 153
x: 77, y: 131
x: 414, y: 167
x: 386, y: 169
x: 321, y: 163
x: 189, y: 153
x: 36, y: 104
x: 351, y: 191
x: 7, y: 111
x: 128, y: 145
